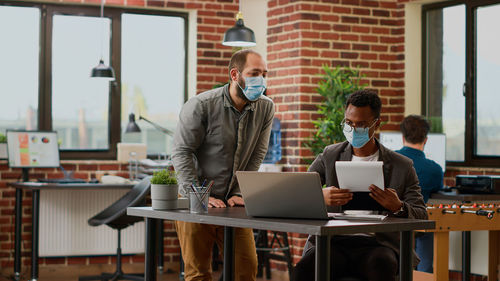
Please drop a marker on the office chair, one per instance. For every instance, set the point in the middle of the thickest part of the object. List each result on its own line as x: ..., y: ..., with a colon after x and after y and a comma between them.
x: 115, y: 216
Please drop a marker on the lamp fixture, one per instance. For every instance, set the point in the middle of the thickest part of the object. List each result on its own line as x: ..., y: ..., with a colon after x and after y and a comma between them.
x: 239, y: 35
x: 102, y: 70
x: 132, y: 126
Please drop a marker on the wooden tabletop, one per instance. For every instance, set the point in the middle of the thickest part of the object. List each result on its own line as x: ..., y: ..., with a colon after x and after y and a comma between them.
x: 236, y: 217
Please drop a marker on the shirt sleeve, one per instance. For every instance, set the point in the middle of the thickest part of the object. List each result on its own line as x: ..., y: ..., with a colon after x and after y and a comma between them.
x: 188, y: 137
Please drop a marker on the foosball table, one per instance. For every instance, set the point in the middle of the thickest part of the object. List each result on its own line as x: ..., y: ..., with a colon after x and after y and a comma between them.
x: 465, y: 218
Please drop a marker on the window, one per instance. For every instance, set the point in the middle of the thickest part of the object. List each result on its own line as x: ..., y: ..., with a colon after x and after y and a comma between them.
x: 461, y: 65
x: 152, y: 77
x: 51, y: 88
x: 19, y: 56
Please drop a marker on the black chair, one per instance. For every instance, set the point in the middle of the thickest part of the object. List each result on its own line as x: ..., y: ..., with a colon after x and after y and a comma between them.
x: 115, y: 216
x: 266, y: 251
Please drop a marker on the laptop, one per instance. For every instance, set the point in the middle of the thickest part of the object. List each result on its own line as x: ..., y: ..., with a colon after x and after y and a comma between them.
x: 287, y: 195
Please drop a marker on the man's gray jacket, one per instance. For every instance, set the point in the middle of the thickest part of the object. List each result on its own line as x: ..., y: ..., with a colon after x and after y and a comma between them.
x: 213, y: 140
x: 399, y: 174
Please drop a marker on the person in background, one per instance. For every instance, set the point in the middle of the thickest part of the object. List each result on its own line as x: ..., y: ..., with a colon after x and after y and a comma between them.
x: 222, y: 131
x: 370, y: 256
x: 430, y: 175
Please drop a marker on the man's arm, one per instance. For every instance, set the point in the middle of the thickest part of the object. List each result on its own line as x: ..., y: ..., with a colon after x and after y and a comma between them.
x: 413, y: 201
x: 188, y: 136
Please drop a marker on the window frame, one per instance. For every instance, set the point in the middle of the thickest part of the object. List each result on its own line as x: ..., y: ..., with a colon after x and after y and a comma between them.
x: 470, y: 86
x: 47, y: 11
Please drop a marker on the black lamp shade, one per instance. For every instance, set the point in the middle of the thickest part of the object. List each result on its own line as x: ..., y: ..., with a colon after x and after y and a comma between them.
x: 132, y: 127
x: 103, y: 71
x: 239, y: 36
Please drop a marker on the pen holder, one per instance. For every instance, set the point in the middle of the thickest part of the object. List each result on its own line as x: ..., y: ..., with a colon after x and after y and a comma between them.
x: 198, y: 202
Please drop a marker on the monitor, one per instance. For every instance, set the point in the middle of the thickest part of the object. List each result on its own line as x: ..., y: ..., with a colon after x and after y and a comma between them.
x: 30, y: 149
x: 434, y: 149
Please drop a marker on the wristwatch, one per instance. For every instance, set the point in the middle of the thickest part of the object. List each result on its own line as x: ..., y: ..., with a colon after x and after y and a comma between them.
x: 401, y: 210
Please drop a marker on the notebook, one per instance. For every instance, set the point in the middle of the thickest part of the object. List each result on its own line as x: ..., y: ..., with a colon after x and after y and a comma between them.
x: 286, y: 195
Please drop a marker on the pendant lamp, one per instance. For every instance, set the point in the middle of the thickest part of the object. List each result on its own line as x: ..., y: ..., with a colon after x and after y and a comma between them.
x: 102, y: 70
x: 239, y: 35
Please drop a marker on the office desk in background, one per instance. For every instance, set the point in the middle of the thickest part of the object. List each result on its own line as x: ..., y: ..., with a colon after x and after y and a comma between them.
x: 36, y: 187
x: 322, y: 229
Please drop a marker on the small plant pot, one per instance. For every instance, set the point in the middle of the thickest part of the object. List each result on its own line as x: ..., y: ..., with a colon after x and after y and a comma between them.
x: 164, y: 197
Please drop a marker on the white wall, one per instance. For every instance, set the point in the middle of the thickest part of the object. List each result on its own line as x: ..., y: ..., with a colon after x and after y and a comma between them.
x: 255, y: 18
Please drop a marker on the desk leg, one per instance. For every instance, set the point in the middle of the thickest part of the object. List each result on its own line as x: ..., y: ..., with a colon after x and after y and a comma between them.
x: 323, y: 270
x: 17, y: 238
x: 150, y: 255
x: 35, y: 221
x: 228, y: 270
x: 494, y: 246
x: 405, y: 256
x: 160, y: 235
x: 441, y: 251
x: 466, y: 256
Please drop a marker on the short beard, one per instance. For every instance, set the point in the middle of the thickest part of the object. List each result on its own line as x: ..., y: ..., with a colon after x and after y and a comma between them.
x: 239, y: 91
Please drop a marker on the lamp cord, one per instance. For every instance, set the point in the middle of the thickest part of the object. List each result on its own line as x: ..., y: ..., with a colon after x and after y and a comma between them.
x: 102, y: 29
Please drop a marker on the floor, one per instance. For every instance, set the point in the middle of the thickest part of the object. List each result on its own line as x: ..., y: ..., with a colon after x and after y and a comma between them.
x: 67, y: 273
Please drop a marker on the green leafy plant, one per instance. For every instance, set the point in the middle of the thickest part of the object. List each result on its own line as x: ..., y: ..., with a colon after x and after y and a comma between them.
x: 164, y: 177
x: 3, y: 138
x: 335, y: 86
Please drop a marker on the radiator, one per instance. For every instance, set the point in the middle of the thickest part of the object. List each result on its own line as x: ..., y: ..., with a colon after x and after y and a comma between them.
x: 64, y: 230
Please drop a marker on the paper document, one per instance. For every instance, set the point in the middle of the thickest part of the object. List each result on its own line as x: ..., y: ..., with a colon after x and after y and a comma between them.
x: 357, y: 176
x: 372, y: 217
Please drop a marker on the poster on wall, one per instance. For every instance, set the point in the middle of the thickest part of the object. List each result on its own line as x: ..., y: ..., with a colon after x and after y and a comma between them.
x: 32, y: 149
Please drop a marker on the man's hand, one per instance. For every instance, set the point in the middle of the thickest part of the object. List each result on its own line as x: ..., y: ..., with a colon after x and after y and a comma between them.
x: 336, y: 197
x: 235, y: 201
x: 388, y: 198
x: 215, y: 203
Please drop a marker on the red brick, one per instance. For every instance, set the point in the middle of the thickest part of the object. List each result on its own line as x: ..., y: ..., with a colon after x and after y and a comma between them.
x: 359, y: 11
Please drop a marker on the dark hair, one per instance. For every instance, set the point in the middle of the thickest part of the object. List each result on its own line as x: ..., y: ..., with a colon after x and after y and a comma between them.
x: 363, y: 98
x: 415, y: 128
x: 239, y: 60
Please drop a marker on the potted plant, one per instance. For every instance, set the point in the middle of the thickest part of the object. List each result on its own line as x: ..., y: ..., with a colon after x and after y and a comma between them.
x: 164, y: 190
x: 3, y: 146
x: 335, y: 86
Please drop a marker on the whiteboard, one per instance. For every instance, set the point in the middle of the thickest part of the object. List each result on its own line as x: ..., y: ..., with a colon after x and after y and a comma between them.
x: 434, y: 149
x: 32, y: 149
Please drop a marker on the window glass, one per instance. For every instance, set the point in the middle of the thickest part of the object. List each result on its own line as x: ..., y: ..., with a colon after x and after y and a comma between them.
x: 80, y: 104
x: 446, y: 76
x: 19, y: 64
x: 153, y: 77
x: 488, y: 74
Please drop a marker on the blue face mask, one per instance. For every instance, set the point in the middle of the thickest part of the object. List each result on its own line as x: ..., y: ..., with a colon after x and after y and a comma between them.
x: 357, y: 137
x: 254, y: 87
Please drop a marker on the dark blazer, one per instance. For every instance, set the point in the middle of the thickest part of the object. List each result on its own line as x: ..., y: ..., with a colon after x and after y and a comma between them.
x: 399, y: 174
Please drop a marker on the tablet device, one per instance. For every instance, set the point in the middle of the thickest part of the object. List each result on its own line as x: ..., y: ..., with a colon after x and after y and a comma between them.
x: 357, y: 176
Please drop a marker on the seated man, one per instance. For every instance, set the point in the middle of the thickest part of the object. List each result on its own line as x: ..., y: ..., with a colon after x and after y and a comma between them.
x: 430, y: 175
x: 369, y: 256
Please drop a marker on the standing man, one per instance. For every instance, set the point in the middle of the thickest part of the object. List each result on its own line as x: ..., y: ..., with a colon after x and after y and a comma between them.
x: 222, y: 131
x: 430, y: 175
x: 369, y: 256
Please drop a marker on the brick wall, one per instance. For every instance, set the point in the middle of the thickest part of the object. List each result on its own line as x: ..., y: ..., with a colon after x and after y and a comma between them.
x: 304, y: 35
